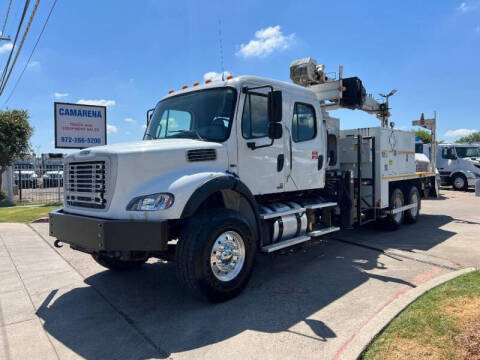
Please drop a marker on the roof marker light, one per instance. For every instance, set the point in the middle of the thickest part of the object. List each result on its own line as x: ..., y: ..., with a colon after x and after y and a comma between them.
x: 185, y: 86
x: 196, y: 83
x: 170, y: 91
x: 208, y: 81
x: 229, y: 77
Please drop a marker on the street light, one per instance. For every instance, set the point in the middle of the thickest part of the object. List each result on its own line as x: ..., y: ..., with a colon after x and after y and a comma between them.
x: 385, y: 113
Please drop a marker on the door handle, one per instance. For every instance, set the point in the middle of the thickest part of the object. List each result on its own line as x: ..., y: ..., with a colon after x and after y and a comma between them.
x: 320, y: 162
x: 280, y: 162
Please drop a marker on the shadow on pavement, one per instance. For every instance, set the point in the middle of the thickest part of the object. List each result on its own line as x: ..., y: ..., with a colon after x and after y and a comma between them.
x: 285, y: 290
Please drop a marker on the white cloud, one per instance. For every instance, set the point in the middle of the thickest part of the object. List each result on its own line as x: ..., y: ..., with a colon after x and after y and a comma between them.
x: 128, y: 133
x: 130, y: 120
x: 266, y: 41
x: 214, y: 76
x: 459, y: 132
x: 58, y: 95
x: 463, y: 7
x: 111, y: 129
x: 144, y: 126
x: 33, y: 64
x: 101, y: 102
x: 6, y: 47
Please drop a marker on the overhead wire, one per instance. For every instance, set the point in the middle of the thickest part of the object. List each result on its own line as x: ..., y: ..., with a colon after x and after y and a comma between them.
x: 31, y: 53
x: 32, y: 15
x: 4, y: 72
x: 6, y: 18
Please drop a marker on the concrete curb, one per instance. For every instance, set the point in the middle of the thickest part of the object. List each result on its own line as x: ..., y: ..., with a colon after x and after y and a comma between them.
x: 371, y: 329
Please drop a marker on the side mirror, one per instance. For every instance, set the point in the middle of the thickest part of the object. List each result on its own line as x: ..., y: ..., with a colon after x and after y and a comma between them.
x: 275, y: 106
x: 149, y: 115
x: 275, y: 130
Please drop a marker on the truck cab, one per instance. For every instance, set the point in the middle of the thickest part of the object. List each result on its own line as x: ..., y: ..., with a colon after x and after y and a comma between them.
x: 459, y: 165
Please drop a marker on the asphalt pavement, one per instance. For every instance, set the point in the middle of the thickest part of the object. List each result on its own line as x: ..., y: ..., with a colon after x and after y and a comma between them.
x: 310, y: 302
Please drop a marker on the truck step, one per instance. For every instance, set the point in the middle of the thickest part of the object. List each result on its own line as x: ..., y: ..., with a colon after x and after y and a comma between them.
x: 323, y: 231
x: 281, y: 213
x: 286, y: 243
x: 320, y: 205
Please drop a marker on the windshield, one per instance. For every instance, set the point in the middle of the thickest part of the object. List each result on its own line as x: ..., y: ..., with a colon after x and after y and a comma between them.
x: 466, y: 152
x: 204, y: 115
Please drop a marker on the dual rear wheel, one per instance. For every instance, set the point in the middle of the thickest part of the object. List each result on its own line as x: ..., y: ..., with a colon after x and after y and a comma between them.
x: 397, y: 200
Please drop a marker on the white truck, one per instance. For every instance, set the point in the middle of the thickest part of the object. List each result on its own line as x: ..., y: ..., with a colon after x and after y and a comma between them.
x: 459, y: 165
x: 230, y: 167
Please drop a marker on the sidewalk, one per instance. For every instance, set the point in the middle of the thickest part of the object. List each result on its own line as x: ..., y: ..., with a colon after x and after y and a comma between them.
x: 32, y: 277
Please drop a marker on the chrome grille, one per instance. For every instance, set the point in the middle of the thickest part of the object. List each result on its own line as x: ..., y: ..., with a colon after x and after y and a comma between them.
x: 202, y: 155
x: 85, y: 184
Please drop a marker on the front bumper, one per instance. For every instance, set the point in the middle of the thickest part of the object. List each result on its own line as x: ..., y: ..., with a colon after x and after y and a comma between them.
x: 90, y: 234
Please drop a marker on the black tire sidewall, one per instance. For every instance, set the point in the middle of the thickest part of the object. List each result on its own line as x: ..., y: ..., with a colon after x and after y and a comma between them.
x: 464, y: 182
x: 409, y: 218
x: 208, y: 228
x: 392, y: 224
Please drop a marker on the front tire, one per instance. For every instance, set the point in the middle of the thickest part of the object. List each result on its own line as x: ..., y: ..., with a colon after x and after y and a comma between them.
x: 215, y: 254
x: 459, y: 182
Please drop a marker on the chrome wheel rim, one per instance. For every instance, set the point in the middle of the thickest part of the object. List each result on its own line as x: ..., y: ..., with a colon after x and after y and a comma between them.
x: 398, y: 202
x: 459, y: 183
x: 227, y: 256
x: 414, y: 200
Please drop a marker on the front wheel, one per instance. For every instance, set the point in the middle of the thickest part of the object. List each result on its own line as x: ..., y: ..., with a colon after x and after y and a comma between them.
x: 459, y: 182
x: 215, y: 254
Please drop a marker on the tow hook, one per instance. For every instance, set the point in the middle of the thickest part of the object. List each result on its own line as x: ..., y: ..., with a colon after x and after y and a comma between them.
x: 57, y: 244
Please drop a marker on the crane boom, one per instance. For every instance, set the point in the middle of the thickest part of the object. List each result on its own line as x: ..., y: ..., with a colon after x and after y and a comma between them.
x: 333, y: 93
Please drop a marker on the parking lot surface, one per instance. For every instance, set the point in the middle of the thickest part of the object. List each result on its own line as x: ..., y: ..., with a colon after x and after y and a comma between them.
x: 308, y: 302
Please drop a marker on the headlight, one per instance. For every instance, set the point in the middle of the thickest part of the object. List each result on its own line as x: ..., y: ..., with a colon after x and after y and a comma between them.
x: 152, y: 202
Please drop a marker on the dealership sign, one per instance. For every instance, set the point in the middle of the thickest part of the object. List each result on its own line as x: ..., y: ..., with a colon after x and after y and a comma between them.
x: 80, y: 126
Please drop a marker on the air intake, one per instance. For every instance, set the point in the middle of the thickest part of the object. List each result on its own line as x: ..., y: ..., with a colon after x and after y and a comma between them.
x: 202, y: 155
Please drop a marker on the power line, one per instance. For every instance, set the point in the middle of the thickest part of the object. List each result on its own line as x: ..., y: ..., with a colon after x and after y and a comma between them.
x: 31, y: 53
x: 32, y: 15
x: 27, y: 2
x: 6, y: 18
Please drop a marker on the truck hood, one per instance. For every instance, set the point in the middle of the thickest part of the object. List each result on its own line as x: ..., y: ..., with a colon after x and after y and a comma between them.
x: 152, y: 166
x: 147, y: 146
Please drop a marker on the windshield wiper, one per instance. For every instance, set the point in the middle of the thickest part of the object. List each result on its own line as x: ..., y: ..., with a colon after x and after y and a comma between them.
x: 189, y: 132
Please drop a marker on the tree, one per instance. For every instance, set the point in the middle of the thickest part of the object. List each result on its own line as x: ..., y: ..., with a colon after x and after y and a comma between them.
x: 473, y: 137
x: 15, y: 132
x: 424, y: 135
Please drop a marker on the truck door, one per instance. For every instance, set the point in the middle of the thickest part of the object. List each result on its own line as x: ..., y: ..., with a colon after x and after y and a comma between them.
x: 308, y: 146
x: 446, y: 162
x: 261, y: 166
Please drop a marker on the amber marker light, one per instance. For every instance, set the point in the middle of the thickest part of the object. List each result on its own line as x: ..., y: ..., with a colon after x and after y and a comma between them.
x: 196, y: 83
x: 185, y: 86
x: 170, y: 91
x: 208, y: 81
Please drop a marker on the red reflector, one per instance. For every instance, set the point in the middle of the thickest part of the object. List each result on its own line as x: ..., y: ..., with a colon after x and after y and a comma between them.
x: 314, y: 154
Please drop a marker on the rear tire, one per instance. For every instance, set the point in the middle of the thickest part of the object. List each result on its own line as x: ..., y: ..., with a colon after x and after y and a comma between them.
x: 393, y: 221
x: 459, y: 182
x: 411, y: 215
x: 117, y: 264
x: 215, y: 254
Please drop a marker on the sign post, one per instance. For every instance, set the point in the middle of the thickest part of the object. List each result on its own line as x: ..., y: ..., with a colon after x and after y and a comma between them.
x: 79, y: 126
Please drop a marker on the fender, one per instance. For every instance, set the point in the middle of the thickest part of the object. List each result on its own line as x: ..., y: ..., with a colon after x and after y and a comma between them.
x: 217, y: 184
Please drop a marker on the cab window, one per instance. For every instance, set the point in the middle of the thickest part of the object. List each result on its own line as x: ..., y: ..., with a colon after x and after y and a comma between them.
x: 255, y: 116
x: 304, y: 124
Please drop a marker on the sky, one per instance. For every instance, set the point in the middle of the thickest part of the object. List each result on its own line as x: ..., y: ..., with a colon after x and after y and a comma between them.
x: 127, y: 55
